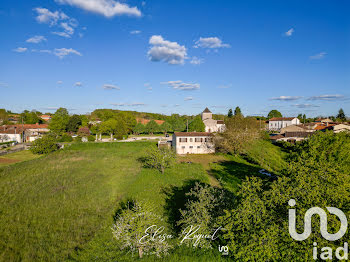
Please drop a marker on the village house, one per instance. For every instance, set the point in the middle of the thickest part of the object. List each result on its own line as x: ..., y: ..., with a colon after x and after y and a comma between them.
x: 45, y: 117
x: 276, y: 123
x: 193, y: 143
x: 211, y: 125
x: 22, y: 133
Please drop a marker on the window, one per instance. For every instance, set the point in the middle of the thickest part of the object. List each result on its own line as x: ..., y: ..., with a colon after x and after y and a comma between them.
x: 184, y: 140
x: 207, y: 139
x: 198, y: 139
x: 183, y: 147
x: 198, y: 146
x: 191, y: 146
x: 191, y: 140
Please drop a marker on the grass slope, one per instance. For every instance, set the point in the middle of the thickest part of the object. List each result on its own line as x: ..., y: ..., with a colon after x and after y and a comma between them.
x: 17, y: 157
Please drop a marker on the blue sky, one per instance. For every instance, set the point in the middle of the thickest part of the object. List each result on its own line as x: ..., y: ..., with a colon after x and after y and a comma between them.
x: 175, y: 56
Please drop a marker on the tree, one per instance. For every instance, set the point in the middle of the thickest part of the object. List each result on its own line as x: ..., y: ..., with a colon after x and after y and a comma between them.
x: 59, y: 121
x: 239, y: 132
x: 341, y: 115
x: 130, y: 226
x: 44, y: 145
x: 196, y: 125
x: 113, y: 127
x: 74, y: 123
x: 139, y: 129
x: 30, y: 117
x: 178, y: 125
x: 238, y: 111
x: 159, y: 158
x: 230, y: 114
x: 274, y: 113
x: 3, y: 116
x: 317, y: 176
x: 166, y: 127
x: 152, y: 127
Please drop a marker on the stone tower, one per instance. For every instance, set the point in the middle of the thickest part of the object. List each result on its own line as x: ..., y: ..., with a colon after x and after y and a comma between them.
x: 206, y: 114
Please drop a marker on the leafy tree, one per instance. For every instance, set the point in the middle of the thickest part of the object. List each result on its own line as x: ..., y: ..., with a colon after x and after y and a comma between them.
x: 230, y: 114
x: 203, y: 206
x: 318, y: 176
x: 196, y: 125
x: 74, y: 123
x: 59, y: 121
x: 130, y: 226
x: 139, y: 129
x: 44, y: 145
x: 152, y: 127
x: 239, y: 132
x: 341, y: 115
x: 30, y: 117
x: 178, y: 125
x: 274, y: 113
x: 238, y: 111
x: 65, y: 138
x: 113, y: 127
x: 159, y: 158
x: 3, y: 115
x: 166, y: 127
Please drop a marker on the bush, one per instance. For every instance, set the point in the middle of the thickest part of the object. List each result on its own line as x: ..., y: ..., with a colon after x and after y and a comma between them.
x: 77, y: 139
x: 44, y: 145
x: 159, y: 158
x: 65, y: 138
x: 91, y: 138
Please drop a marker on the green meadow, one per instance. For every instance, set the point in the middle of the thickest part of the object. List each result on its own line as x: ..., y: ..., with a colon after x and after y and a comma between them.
x: 60, y: 207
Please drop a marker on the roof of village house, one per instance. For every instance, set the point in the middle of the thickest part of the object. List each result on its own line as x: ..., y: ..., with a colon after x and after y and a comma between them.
x: 220, y: 122
x: 206, y: 110
x: 276, y: 137
x: 16, y: 129
x: 45, y: 116
x: 281, y: 118
x: 193, y: 134
x: 322, y: 127
x: 84, y: 130
x: 145, y: 121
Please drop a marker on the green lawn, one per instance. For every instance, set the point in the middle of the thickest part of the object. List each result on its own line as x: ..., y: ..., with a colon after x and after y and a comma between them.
x: 17, y: 157
x: 60, y: 207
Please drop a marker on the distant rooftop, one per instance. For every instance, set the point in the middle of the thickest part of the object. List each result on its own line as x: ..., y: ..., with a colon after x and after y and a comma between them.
x: 206, y: 110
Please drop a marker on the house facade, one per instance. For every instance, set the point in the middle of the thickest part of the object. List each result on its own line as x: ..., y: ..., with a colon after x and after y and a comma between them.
x: 193, y: 143
x: 211, y: 125
x: 22, y: 133
x: 277, y: 123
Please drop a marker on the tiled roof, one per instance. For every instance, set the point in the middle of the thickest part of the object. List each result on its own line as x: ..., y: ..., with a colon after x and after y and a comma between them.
x: 206, y: 110
x: 145, y: 121
x: 16, y: 129
x: 192, y: 134
x: 281, y: 119
x: 220, y: 121
x: 276, y: 137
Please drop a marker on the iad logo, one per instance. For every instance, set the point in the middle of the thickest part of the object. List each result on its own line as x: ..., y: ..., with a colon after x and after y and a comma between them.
x: 327, y: 252
x: 323, y: 221
x: 223, y: 250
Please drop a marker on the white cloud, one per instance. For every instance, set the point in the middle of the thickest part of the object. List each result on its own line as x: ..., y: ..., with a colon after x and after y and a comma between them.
x: 63, y: 34
x: 318, y: 56
x: 196, y: 61
x: 286, y: 98
x: 166, y: 51
x: 47, y: 17
x: 60, y: 82
x: 36, y: 39
x: 108, y: 8
x: 189, y: 98
x: 289, y: 32
x: 305, y: 105
x: 224, y: 86
x: 127, y: 104
x: 135, y: 32
x: 20, y: 49
x: 79, y: 84
x: 210, y: 42
x: 181, y: 85
x: 327, y: 97
x: 110, y: 87
x: 62, y: 52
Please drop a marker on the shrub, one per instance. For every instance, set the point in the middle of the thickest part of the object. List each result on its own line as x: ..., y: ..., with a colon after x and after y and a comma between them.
x: 65, y: 138
x: 91, y: 138
x: 44, y: 145
x: 130, y: 226
x: 159, y: 158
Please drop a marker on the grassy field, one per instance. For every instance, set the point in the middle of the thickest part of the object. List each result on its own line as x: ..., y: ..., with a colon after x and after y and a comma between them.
x: 60, y: 207
x: 17, y: 157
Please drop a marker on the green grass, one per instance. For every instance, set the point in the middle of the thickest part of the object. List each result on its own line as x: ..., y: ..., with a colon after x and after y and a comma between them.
x: 17, y: 157
x: 54, y: 205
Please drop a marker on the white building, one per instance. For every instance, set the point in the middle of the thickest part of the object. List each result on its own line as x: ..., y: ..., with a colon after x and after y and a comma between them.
x: 276, y: 123
x: 193, y: 143
x: 212, y: 125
